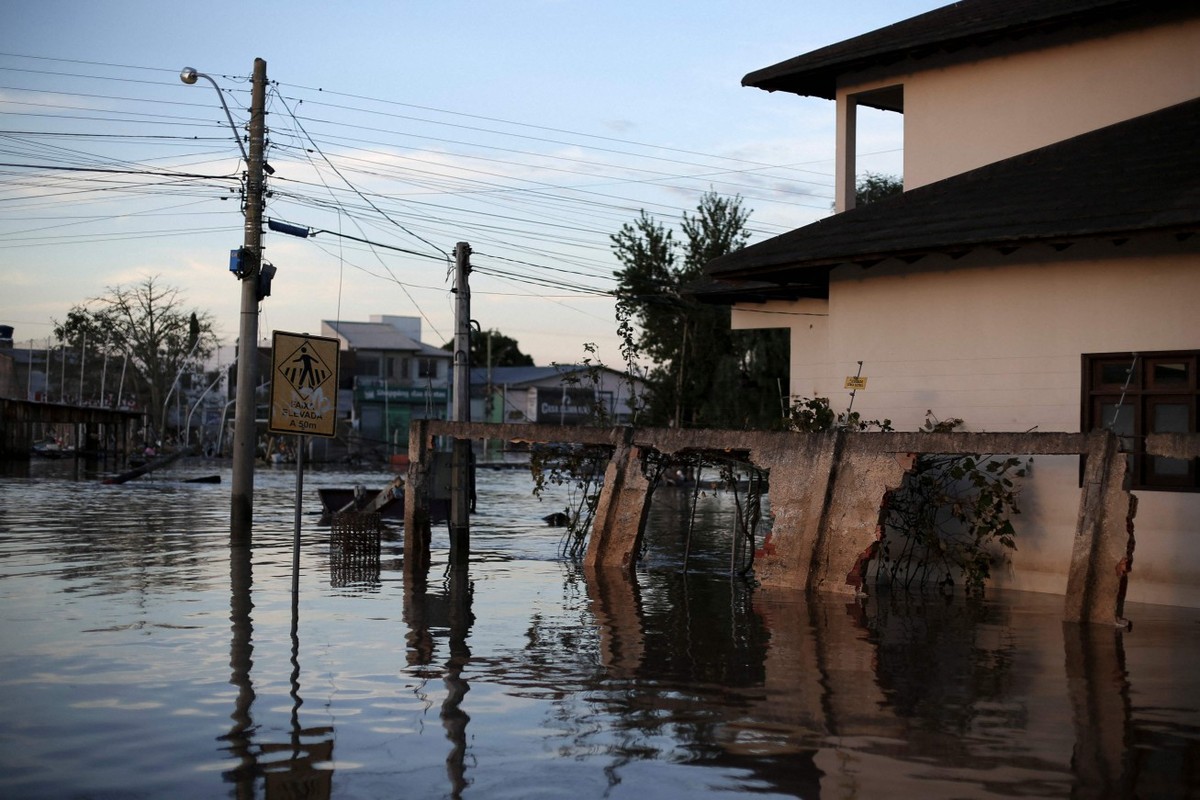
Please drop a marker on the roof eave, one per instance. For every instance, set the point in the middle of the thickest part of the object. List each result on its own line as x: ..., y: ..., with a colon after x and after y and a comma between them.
x: 815, y: 74
x: 786, y: 271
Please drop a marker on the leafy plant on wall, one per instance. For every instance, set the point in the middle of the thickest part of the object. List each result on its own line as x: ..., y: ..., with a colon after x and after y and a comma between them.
x: 952, y: 515
x: 951, y: 518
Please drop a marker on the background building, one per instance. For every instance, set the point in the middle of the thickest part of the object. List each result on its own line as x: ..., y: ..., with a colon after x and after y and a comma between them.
x: 389, y: 377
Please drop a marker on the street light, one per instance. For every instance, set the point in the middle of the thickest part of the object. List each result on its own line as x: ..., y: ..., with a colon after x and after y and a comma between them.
x: 189, y: 75
x: 241, y: 496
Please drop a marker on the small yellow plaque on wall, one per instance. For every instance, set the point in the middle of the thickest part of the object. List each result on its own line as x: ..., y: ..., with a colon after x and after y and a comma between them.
x: 856, y: 382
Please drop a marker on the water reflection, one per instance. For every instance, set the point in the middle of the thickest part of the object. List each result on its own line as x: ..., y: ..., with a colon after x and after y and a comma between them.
x: 306, y: 770
x: 899, y: 696
x: 241, y: 661
x: 448, y: 611
x: 122, y: 624
x: 1098, y: 686
x: 301, y: 766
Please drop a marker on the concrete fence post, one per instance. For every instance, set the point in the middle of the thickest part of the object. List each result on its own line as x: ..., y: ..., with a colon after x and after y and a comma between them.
x: 622, y: 508
x: 1102, y: 554
x: 417, y: 531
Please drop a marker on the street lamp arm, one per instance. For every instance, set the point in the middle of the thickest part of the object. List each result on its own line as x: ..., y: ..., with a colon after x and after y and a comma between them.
x: 175, y: 383
x: 187, y: 426
x: 189, y: 75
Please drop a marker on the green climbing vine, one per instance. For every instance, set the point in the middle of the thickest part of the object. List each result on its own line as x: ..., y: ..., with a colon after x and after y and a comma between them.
x: 580, y: 468
x: 814, y: 415
x: 733, y: 474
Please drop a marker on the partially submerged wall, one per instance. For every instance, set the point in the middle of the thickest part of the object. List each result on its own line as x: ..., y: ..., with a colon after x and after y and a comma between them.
x: 827, y: 494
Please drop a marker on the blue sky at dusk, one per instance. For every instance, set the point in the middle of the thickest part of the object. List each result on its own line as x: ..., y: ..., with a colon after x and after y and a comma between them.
x: 531, y: 130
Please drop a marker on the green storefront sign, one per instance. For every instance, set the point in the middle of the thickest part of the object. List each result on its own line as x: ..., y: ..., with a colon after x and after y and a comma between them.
x: 402, y: 394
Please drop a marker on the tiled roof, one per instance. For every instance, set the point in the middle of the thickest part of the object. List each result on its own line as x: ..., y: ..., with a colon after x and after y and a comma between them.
x: 1135, y: 177
x: 381, y: 336
x: 953, y: 28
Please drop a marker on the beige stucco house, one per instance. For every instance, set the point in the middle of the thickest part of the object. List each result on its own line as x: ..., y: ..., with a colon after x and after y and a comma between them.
x: 1041, y: 269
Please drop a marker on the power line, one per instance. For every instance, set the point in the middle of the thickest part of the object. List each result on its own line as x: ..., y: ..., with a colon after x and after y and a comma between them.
x: 543, y: 213
x: 109, y: 170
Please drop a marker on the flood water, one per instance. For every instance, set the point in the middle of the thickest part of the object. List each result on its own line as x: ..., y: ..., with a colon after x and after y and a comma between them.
x: 141, y: 657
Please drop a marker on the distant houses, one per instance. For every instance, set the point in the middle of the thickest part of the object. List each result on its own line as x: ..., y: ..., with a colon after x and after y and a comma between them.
x: 387, y: 378
x: 562, y: 394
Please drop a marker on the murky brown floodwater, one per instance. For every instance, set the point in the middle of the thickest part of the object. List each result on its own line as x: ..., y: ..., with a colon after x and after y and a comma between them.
x: 140, y: 657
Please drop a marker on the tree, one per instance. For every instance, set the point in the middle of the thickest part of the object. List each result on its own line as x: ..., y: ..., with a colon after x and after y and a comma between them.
x: 873, y: 187
x: 76, y: 364
x: 146, y: 322
x: 504, y: 350
x: 703, y: 373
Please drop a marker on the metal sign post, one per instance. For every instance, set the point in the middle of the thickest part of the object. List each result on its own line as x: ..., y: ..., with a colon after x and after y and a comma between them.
x: 304, y: 372
x: 854, y: 383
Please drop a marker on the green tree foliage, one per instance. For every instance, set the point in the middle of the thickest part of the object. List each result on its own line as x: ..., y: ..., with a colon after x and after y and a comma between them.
x: 703, y: 374
x: 148, y: 323
x: 504, y: 350
x: 873, y: 187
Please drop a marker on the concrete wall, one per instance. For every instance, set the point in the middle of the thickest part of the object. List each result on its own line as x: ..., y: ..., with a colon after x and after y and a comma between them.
x: 997, y: 341
x: 972, y: 113
x: 827, y: 491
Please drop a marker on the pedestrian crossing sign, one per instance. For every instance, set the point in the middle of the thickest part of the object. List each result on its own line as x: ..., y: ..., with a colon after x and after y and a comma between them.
x: 303, y: 384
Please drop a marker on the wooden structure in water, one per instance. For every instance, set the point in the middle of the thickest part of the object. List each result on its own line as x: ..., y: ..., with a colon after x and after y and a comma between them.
x: 827, y: 491
x: 97, y: 429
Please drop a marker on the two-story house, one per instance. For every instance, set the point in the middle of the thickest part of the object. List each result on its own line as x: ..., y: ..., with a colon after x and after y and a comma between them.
x: 1041, y: 270
x: 389, y: 378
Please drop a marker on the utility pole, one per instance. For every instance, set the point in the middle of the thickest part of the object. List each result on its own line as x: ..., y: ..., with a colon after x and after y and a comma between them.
x: 244, y: 428
x: 460, y: 482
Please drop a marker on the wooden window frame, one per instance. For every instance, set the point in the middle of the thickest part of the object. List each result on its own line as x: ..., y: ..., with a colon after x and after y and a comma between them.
x: 1140, y: 397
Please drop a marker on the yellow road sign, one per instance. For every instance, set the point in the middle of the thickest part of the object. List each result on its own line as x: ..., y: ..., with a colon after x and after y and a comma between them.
x: 304, y: 373
x: 856, y: 382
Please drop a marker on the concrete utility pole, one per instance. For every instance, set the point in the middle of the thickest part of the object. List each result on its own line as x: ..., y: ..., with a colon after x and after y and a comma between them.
x: 460, y: 531
x: 244, y: 428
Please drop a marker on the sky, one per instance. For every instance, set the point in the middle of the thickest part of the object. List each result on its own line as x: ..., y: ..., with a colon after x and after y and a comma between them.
x: 530, y: 130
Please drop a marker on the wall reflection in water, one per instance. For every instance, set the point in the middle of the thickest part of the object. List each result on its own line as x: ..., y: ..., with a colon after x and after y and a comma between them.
x: 905, y: 697
x: 131, y: 655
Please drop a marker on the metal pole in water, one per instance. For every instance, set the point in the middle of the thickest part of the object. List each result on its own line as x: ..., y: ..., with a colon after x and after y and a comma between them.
x: 300, y: 439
